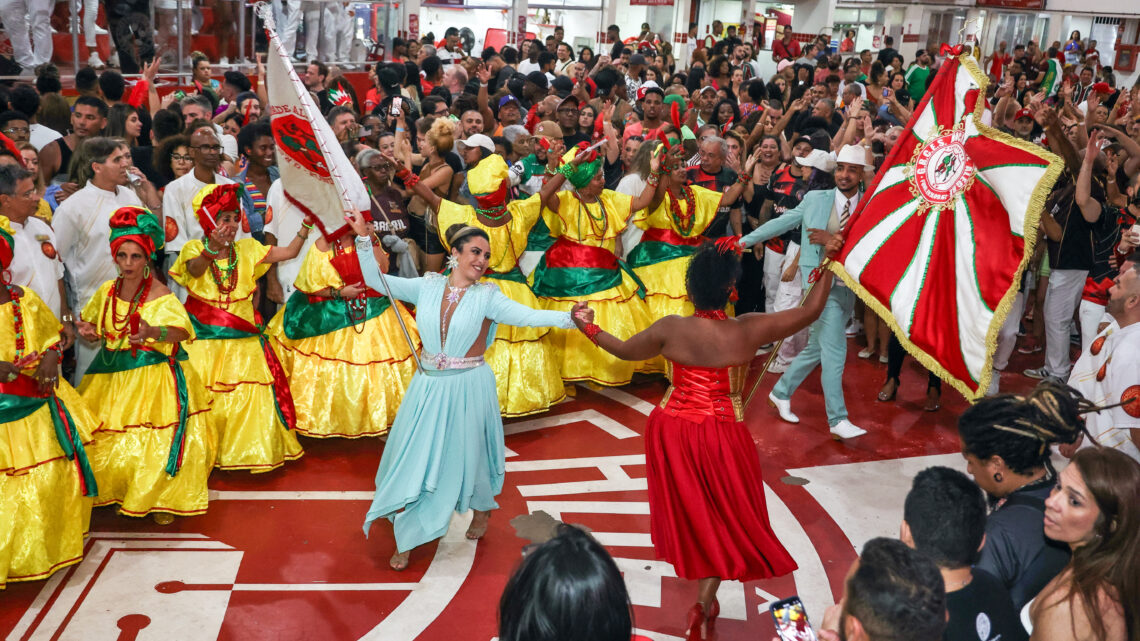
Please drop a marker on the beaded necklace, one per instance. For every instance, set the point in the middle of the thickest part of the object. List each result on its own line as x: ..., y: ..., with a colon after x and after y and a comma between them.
x: 120, y: 325
x: 715, y: 314
x: 603, y: 218
x: 225, y: 277
x: 18, y: 322
x: 683, y: 221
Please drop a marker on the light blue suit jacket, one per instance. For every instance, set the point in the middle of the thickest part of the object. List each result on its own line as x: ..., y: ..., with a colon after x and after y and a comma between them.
x: 813, y: 212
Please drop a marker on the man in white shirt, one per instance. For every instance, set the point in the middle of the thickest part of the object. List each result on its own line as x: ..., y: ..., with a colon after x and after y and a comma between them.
x: 83, y: 229
x: 1108, y: 373
x: 35, y: 264
x: 178, y: 200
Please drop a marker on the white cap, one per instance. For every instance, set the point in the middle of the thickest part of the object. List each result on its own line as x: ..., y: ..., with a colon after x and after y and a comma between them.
x: 853, y: 155
x: 479, y: 140
x: 818, y: 159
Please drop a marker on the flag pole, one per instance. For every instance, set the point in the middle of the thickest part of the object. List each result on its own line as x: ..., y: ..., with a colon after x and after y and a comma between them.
x: 265, y: 12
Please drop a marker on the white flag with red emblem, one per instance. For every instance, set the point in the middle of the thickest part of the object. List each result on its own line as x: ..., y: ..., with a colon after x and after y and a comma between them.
x: 938, y: 244
x: 319, y: 179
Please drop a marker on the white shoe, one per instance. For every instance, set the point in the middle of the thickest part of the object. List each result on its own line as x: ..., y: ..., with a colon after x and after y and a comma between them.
x: 113, y: 59
x: 784, y: 408
x: 95, y: 61
x: 995, y: 384
x: 100, y: 31
x: 854, y: 328
x: 778, y: 367
x: 844, y: 429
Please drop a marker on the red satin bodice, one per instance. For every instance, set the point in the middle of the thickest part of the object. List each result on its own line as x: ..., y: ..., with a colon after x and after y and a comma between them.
x: 699, y: 392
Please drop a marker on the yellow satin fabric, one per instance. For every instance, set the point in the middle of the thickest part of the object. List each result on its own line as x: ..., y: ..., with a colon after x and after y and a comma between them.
x: 240, y: 301
x: 249, y: 433
x: 43, y: 513
x: 139, y: 410
x: 347, y: 383
x: 665, y: 290
x: 618, y: 310
x: 526, y: 368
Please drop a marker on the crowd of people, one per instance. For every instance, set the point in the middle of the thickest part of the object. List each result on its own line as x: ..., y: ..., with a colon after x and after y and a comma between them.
x: 542, y: 217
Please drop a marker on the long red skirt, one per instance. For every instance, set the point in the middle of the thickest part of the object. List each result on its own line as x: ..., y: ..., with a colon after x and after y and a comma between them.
x: 707, y: 512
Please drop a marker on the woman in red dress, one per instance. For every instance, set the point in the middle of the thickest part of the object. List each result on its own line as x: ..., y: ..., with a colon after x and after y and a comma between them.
x: 707, y: 512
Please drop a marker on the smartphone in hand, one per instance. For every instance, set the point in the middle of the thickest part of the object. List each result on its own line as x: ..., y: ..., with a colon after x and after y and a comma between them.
x: 791, y: 620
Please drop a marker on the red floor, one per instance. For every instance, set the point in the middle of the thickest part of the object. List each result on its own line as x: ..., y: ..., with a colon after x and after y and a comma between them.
x: 257, y: 566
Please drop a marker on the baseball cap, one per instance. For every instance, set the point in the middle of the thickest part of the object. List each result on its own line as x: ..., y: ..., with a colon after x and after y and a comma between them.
x: 538, y: 78
x: 563, y: 86
x: 570, y: 98
x: 818, y: 159
x: 479, y: 140
x: 636, y: 59
x: 1023, y: 113
x: 509, y: 98
x: 647, y: 87
x: 706, y: 88
x: 548, y: 129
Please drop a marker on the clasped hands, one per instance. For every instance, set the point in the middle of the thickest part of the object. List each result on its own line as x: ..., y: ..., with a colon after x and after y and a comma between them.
x: 582, y: 315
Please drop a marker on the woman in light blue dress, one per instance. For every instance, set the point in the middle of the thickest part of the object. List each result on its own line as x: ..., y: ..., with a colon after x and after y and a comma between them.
x: 445, y: 450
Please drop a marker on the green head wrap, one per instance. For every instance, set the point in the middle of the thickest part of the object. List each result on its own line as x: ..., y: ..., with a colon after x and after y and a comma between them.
x: 582, y: 174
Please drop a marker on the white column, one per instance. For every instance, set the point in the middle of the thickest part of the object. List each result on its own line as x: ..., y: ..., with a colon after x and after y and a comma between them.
x: 411, y: 19
x: 516, y: 23
x: 680, y: 35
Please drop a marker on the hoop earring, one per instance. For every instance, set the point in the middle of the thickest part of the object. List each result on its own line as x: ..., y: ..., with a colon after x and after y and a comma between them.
x: 146, y: 271
x: 997, y: 477
x: 118, y: 269
x: 6, y: 277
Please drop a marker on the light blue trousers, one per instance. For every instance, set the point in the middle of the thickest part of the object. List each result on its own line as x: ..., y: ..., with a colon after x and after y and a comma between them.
x: 827, y: 347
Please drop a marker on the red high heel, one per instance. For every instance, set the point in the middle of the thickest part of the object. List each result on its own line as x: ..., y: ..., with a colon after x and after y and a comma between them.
x: 714, y: 612
x: 696, y: 618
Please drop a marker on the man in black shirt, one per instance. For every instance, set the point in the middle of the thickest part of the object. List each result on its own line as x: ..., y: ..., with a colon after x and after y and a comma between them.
x: 944, y: 518
x: 888, y: 52
x: 711, y: 173
x: 1068, y: 218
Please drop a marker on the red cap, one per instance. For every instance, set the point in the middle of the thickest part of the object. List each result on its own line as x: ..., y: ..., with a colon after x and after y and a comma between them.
x: 1102, y: 87
x: 1023, y: 113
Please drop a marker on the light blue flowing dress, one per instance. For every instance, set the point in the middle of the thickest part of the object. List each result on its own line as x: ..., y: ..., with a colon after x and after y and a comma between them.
x: 445, y: 450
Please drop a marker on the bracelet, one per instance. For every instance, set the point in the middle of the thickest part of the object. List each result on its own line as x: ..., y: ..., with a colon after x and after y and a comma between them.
x: 162, y: 334
x: 591, y: 331
x: 744, y: 179
x: 68, y: 318
x: 404, y: 174
x: 336, y: 292
x: 57, y: 348
x: 566, y: 170
x: 206, y: 249
x: 307, y: 225
x: 399, y: 129
x: 653, y: 180
x: 411, y: 180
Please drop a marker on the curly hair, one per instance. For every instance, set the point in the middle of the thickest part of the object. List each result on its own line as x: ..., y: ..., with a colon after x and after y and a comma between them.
x: 441, y: 135
x: 711, y: 276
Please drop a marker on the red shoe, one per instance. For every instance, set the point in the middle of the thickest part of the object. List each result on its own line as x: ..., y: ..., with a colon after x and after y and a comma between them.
x: 714, y: 612
x: 696, y: 619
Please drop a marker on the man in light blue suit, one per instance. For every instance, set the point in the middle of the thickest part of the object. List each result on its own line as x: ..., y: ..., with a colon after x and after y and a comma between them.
x: 820, y: 215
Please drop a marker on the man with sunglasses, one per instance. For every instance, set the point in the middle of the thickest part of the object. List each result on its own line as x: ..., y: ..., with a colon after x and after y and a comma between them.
x: 178, y: 200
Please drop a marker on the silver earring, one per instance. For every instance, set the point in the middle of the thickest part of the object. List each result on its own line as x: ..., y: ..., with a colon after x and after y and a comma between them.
x: 452, y: 261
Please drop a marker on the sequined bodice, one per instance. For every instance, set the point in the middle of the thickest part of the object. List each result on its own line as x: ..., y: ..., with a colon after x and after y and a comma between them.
x: 699, y: 392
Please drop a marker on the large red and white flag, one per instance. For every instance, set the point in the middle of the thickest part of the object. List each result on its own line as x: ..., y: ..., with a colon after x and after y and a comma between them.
x: 318, y: 177
x: 938, y: 244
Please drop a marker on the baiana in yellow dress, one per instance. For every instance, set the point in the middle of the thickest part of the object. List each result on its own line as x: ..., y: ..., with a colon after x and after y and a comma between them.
x: 251, y: 405
x: 581, y: 266
x: 527, y: 372
x: 672, y: 234
x: 156, y: 447
x: 348, y: 361
x: 44, y: 471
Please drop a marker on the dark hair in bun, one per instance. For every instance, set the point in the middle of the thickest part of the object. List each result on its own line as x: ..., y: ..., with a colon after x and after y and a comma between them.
x: 711, y: 276
x: 459, y: 235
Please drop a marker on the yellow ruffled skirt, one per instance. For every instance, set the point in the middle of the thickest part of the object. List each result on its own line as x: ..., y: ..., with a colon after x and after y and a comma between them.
x: 526, y: 367
x: 665, y: 290
x: 139, y: 410
x: 348, y: 383
x: 43, y: 513
x: 243, y: 413
x: 617, y: 310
